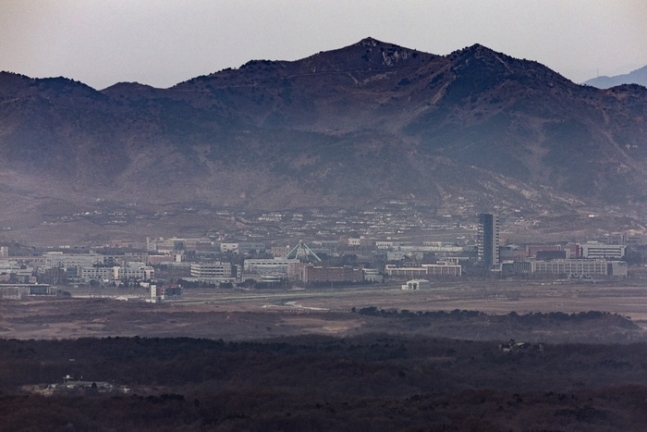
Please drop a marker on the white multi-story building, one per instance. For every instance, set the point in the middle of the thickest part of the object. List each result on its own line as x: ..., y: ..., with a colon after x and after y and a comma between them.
x: 211, y: 271
x: 268, y: 266
x: 9, y: 266
x: 580, y: 267
x: 97, y: 273
x: 59, y: 259
x: 135, y: 271
x: 595, y: 250
x: 384, y: 244
x: 439, y: 269
x: 103, y: 273
x: 373, y: 275
x: 228, y: 247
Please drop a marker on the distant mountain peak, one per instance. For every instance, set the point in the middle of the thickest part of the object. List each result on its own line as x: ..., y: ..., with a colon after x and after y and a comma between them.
x: 130, y: 89
x: 337, y: 128
x: 638, y: 76
x: 477, y: 50
x: 478, y: 47
x: 369, y: 53
x: 369, y: 41
x: 130, y: 85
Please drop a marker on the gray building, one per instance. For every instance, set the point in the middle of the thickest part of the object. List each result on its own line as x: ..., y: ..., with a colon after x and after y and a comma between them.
x: 581, y: 267
x: 488, y: 239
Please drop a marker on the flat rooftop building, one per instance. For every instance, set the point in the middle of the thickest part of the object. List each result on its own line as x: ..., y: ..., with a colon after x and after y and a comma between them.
x: 268, y: 266
x: 595, y: 250
x: 210, y: 271
x: 580, y: 267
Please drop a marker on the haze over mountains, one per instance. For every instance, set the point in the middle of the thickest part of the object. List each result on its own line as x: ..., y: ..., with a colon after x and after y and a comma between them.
x: 341, y: 128
x: 638, y: 76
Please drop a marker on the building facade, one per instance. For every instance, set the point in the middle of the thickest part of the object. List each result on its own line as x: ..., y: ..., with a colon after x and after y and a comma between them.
x: 277, y: 266
x: 595, y: 250
x: 488, y: 239
x: 439, y: 269
x: 210, y: 271
x: 580, y: 267
x: 314, y: 274
x: 416, y: 284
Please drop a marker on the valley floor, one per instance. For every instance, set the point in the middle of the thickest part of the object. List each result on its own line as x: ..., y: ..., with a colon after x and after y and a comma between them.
x: 237, y: 315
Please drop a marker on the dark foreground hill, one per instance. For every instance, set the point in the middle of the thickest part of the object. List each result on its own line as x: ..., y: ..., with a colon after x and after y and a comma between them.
x: 367, y: 383
x: 339, y: 128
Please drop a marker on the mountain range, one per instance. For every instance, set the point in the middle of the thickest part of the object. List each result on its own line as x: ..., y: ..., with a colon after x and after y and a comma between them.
x: 638, y: 76
x: 343, y: 128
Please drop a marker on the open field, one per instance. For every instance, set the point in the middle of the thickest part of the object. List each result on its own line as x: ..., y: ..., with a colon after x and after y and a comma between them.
x: 237, y: 314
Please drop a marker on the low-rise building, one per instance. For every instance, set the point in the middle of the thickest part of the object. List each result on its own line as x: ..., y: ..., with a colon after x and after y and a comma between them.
x: 438, y: 269
x: 60, y: 259
x: 386, y: 244
x: 443, y: 269
x: 596, y: 250
x: 246, y: 248
x: 229, y: 247
x: 164, y: 292
x: 268, y: 266
x: 580, y: 267
x: 570, y: 251
x: 134, y: 271
x: 108, y: 273
x: 279, y: 251
x: 315, y: 274
x: 154, y: 260
x: 209, y: 271
x: 405, y: 272
x: 97, y: 272
x: 416, y: 284
x: 373, y: 275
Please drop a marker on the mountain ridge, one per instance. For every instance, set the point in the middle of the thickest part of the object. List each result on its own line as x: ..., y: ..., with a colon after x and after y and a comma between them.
x: 638, y: 76
x: 340, y: 128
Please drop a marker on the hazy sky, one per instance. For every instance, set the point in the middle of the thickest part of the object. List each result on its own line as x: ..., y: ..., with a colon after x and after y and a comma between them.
x: 163, y: 42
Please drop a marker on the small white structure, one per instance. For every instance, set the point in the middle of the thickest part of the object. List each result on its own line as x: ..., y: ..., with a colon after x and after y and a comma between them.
x: 373, y: 275
x: 416, y: 284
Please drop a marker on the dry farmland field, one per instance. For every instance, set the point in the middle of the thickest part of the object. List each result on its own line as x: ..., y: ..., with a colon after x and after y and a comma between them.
x: 342, y: 311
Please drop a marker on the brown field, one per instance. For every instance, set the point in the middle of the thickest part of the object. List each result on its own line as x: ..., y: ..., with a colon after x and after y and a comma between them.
x: 236, y: 314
